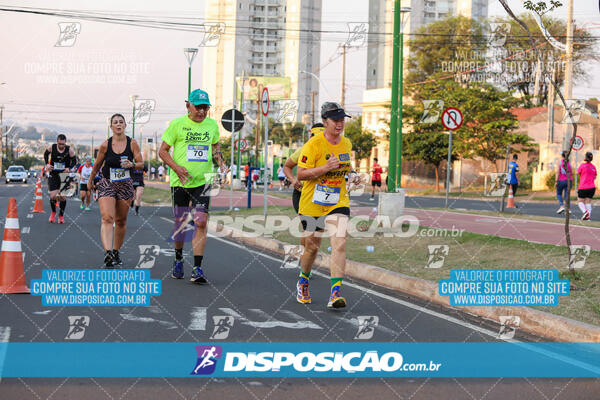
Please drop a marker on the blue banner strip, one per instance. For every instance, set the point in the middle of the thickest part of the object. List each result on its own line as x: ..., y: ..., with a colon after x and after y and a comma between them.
x: 223, y: 359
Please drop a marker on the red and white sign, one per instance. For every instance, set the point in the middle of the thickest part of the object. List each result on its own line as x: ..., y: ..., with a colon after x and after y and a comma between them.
x: 265, y: 102
x: 242, y: 145
x: 578, y: 143
x: 452, y: 118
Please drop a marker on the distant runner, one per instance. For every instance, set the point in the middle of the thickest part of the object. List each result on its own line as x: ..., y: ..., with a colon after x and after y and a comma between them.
x: 587, y: 187
x: 137, y: 177
x: 376, y: 178
x: 85, y: 170
x: 59, y: 158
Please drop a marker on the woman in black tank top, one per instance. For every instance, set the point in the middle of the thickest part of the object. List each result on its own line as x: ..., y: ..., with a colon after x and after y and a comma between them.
x: 117, y: 157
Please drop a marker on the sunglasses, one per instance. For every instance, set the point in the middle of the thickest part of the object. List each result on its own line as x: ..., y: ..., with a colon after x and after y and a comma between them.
x: 203, y: 107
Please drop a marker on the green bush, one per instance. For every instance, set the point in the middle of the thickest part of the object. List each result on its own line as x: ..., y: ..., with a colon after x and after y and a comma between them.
x: 550, y: 180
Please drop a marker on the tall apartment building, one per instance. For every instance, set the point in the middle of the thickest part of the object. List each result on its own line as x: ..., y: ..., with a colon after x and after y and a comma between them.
x: 263, y: 38
x: 376, y: 99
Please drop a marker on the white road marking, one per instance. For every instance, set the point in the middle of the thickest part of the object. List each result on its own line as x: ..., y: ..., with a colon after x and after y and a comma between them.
x: 26, y: 229
x: 270, y: 323
x: 134, y: 318
x: 29, y: 215
x: 45, y: 312
x: 4, y: 337
x: 197, y: 319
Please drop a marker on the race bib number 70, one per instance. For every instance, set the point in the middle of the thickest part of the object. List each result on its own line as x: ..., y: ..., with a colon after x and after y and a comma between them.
x: 197, y: 152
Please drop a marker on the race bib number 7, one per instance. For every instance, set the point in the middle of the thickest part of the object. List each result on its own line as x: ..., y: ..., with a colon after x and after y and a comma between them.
x: 326, y: 195
x: 119, y: 174
x: 197, y: 152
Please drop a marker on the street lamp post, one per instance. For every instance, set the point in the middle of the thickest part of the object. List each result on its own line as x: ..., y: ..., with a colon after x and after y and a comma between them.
x: 133, y: 98
x: 395, y: 158
x: 190, y: 54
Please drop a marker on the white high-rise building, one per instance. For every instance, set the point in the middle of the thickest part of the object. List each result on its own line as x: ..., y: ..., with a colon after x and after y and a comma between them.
x: 263, y: 38
x: 377, y: 97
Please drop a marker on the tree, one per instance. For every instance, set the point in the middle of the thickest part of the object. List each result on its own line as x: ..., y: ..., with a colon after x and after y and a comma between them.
x: 285, y: 134
x: 519, y: 71
x: 362, y: 140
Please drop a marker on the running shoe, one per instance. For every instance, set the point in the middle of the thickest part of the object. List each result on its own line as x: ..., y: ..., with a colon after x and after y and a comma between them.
x: 177, y: 269
x: 117, y: 258
x: 87, y: 209
x: 336, y: 300
x: 81, y: 206
x: 52, y: 218
x: 302, y: 292
x: 560, y: 210
x: 108, y: 260
x: 61, y: 219
x: 198, y: 276
x: 585, y: 216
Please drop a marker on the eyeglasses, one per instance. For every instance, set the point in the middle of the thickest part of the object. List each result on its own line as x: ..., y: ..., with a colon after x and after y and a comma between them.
x: 203, y: 107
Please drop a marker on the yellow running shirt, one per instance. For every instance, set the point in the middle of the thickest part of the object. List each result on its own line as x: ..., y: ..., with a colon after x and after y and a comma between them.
x: 328, y: 192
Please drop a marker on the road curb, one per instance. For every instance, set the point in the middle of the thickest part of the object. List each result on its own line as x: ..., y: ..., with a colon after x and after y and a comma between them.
x: 537, y: 322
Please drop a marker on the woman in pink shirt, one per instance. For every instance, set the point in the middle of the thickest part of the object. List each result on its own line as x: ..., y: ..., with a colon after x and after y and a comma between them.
x: 587, y: 187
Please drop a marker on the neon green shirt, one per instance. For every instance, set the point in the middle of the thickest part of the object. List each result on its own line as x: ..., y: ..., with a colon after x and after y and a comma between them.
x: 192, y: 149
x: 296, y: 155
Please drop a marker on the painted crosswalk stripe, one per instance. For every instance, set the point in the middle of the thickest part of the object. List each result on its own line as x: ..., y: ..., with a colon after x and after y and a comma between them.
x: 4, y: 336
x: 197, y: 319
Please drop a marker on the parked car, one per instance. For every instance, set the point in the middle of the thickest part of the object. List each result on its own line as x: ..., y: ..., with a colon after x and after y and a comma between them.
x: 16, y: 173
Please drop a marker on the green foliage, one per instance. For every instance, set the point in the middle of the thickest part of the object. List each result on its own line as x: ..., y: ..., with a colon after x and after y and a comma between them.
x: 362, y: 140
x: 550, y: 180
x: 25, y: 161
x: 540, y: 7
x: 286, y: 134
x: 440, y: 42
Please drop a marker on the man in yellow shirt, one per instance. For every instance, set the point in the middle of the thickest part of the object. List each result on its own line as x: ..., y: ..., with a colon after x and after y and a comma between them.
x: 324, y: 162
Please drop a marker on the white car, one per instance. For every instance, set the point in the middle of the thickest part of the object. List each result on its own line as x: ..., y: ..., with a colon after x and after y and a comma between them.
x: 16, y: 173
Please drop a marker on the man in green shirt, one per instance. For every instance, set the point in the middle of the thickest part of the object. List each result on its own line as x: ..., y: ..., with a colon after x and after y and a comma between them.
x: 195, y: 141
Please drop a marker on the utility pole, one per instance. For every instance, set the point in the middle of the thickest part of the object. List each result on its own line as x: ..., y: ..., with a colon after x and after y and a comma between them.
x: 551, y: 98
x: 312, y: 113
x: 569, y: 69
x: 257, y: 137
x: 343, y: 94
x: 239, y: 160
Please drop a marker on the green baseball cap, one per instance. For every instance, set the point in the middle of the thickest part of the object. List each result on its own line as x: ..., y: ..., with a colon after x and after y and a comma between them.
x: 198, y: 97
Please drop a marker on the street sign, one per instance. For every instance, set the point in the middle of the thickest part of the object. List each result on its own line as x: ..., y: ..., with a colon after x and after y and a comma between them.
x: 265, y: 102
x: 452, y: 118
x: 578, y: 143
x: 232, y: 116
x: 242, y: 145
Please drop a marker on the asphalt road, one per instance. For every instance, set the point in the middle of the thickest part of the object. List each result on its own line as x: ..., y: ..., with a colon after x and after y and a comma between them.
x: 254, y: 289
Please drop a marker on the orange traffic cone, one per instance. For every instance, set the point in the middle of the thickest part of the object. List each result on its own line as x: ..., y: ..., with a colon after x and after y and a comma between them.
x: 38, y: 207
x: 12, y: 271
x: 511, y: 198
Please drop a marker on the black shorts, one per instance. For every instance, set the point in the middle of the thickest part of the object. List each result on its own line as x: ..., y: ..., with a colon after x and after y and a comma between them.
x: 198, y: 196
x: 312, y: 224
x: 296, y: 199
x: 137, y: 184
x: 376, y: 183
x: 83, y: 187
x: 586, y: 193
x: 53, y: 182
x: 281, y: 178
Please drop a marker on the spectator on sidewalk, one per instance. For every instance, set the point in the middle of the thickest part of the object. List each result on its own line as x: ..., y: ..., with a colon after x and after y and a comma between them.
x: 564, y: 176
x: 161, y: 171
x: 152, y: 173
x: 246, y: 174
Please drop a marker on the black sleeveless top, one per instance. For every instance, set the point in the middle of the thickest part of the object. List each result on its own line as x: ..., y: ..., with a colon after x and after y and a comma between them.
x: 113, y: 160
x: 59, y: 160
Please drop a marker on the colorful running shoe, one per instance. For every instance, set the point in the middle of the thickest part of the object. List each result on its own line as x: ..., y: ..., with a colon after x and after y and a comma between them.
x: 87, y: 209
x: 198, y: 276
x: 302, y: 292
x: 61, y: 219
x: 336, y: 300
x: 81, y: 206
x: 52, y: 218
x: 177, y: 269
